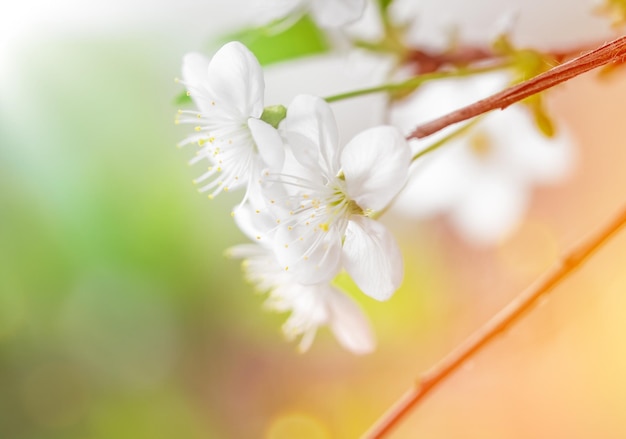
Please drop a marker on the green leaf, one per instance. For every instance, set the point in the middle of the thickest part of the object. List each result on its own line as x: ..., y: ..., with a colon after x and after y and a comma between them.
x: 270, y: 45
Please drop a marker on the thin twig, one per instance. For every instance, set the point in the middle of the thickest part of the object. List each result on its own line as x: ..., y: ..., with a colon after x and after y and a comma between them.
x: 614, y: 51
x: 508, y: 316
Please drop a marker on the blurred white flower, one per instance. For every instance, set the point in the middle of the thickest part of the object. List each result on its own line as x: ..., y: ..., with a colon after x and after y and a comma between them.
x: 327, y: 13
x: 228, y: 93
x: 324, y: 221
x: 537, y: 23
x: 482, y: 179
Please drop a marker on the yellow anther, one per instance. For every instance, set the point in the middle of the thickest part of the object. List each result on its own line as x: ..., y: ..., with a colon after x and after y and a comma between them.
x: 188, y: 93
x: 289, y: 228
x: 211, y: 139
x: 277, y: 221
x: 211, y: 196
x: 198, y: 128
x: 258, y: 237
x: 324, y: 227
x: 286, y: 245
x: 212, y: 102
x: 225, y: 188
x: 286, y: 268
x: 201, y: 142
x: 258, y: 211
x: 232, y: 214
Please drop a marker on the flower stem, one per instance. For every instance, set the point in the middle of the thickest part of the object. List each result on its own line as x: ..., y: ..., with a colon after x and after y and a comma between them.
x: 446, y: 139
x: 412, y: 83
x: 614, y: 51
x: 499, y: 323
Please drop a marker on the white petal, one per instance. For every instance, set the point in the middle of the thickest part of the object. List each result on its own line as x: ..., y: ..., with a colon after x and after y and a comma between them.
x: 527, y: 152
x: 311, y: 131
x: 195, y: 75
x: 254, y: 221
x: 349, y: 324
x: 195, y: 68
x: 244, y: 251
x: 335, y: 13
x: 313, y: 259
x: 268, y: 142
x: 376, y: 165
x: 236, y: 80
x: 372, y: 258
x: 268, y: 11
x: 438, y: 181
x: 493, y: 207
x: 539, y: 24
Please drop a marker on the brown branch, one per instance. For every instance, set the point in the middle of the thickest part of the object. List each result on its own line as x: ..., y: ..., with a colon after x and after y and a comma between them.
x: 508, y: 316
x: 427, y: 61
x: 614, y: 51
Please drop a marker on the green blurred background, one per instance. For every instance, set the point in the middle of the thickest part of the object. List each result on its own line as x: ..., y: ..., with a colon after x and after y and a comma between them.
x: 120, y: 317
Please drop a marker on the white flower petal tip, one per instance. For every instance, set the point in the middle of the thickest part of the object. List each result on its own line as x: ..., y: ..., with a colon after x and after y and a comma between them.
x: 349, y: 325
x: 376, y: 166
x: 372, y: 258
x: 228, y: 93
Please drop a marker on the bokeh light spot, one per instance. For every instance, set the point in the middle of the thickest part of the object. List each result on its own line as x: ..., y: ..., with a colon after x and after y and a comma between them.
x: 296, y: 425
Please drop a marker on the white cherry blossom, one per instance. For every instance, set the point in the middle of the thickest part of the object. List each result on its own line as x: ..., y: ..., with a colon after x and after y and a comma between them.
x: 228, y: 93
x: 482, y: 180
x: 311, y: 306
x: 325, y: 220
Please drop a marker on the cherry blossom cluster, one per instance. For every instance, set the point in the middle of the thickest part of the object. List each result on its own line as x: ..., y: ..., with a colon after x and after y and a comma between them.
x: 309, y: 202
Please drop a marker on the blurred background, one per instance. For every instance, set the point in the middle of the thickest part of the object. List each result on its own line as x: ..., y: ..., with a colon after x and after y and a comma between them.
x: 120, y: 317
